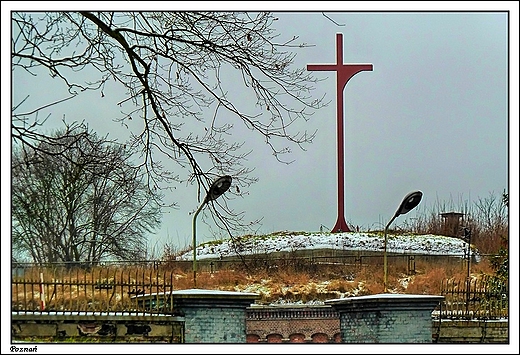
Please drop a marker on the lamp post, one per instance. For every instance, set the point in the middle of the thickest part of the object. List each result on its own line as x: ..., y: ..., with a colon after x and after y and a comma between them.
x: 216, y: 189
x: 467, y: 239
x: 409, y: 202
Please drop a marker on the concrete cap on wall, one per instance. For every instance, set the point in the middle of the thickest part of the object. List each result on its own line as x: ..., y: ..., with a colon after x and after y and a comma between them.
x: 387, y: 301
x: 200, y: 293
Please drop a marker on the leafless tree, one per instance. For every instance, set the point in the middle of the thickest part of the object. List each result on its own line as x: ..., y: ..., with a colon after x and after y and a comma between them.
x: 177, y: 68
x: 82, y: 204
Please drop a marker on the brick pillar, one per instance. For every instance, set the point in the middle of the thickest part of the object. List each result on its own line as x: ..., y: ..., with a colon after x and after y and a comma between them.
x: 386, y: 318
x: 213, y: 316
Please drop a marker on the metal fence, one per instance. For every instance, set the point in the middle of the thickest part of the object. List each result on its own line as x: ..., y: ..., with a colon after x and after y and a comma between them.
x: 320, y: 262
x: 147, y: 286
x: 105, y: 289
x: 478, y: 299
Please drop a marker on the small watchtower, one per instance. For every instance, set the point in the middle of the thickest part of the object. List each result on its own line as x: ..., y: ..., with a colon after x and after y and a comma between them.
x: 453, y: 222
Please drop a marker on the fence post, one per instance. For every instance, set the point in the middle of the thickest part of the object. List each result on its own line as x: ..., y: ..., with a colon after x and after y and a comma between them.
x: 42, y: 293
x: 411, y: 264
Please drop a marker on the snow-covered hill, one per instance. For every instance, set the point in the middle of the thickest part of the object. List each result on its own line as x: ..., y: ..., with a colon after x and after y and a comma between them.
x: 428, y: 244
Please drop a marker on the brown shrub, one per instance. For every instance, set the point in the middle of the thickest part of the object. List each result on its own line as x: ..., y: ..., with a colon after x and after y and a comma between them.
x: 371, y: 288
x: 428, y: 283
x: 341, y: 286
x: 223, y: 279
x: 286, y: 277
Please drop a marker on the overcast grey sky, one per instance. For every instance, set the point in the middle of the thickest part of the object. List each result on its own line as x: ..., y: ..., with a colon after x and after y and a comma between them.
x: 431, y: 116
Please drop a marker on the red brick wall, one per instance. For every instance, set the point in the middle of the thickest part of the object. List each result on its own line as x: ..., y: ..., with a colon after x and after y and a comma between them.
x: 252, y: 338
x: 297, y: 338
x: 320, y: 338
x: 274, y: 338
x: 271, y: 328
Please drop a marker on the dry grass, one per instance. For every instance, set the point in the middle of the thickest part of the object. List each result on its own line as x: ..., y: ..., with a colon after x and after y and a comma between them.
x: 276, y: 284
x: 429, y: 280
x: 367, y: 280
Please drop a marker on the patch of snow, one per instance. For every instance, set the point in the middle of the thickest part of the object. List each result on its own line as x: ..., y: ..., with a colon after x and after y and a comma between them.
x: 404, y: 282
x: 428, y: 244
x: 282, y: 302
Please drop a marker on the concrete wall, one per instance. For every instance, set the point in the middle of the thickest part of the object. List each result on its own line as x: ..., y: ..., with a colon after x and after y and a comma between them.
x: 386, y: 318
x: 259, y: 330
x: 470, y: 331
x: 97, y: 327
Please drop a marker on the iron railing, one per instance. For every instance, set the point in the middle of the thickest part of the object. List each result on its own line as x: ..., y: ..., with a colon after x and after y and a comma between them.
x: 147, y: 286
x: 478, y: 299
x: 99, y: 289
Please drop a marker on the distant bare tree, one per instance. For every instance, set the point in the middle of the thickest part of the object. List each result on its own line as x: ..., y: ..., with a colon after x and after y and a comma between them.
x: 491, y: 211
x: 84, y: 203
x: 176, y: 68
x: 487, y: 218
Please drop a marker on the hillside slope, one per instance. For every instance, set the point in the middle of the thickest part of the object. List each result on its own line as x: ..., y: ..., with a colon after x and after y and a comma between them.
x: 428, y: 244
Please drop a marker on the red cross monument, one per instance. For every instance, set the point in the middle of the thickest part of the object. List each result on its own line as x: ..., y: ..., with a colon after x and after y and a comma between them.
x: 343, y: 74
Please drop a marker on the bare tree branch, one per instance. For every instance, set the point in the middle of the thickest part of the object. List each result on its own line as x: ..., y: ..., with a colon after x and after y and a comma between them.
x: 177, y: 69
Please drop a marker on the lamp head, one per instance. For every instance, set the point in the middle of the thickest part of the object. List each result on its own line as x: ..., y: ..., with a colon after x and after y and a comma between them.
x: 409, y: 202
x: 218, y: 187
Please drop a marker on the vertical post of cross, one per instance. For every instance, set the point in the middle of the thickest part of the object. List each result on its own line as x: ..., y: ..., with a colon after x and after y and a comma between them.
x: 343, y: 74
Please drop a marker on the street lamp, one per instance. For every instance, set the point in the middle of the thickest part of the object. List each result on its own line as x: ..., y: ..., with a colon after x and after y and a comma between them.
x: 216, y: 189
x: 409, y: 202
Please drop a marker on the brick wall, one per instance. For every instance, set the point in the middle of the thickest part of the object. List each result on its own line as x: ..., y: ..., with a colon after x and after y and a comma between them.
x: 386, y: 318
x: 213, y: 316
x: 220, y: 324
x: 387, y: 327
x: 207, y: 316
x: 261, y: 326
x: 292, y: 324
